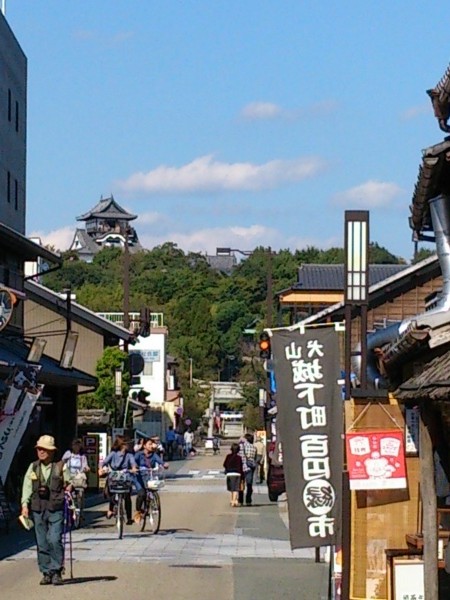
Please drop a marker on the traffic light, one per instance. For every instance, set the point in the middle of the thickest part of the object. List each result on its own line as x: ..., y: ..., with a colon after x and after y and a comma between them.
x: 264, y: 345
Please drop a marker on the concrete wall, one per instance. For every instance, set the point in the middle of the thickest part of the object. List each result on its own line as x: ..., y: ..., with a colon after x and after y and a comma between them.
x: 13, y: 112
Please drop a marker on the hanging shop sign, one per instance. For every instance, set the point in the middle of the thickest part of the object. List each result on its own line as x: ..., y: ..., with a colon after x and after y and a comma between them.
x: 376, y: 460
x: 309, y: 421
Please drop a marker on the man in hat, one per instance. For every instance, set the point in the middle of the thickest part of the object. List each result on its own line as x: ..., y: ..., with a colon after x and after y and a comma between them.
x: 43, y: 493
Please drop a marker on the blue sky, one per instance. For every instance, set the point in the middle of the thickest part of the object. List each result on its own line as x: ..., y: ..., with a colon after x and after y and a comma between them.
x: 230, y: 123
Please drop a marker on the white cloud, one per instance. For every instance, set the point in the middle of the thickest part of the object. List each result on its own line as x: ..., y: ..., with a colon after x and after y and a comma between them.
x: 150, y: 218
x: 205, y: 174
x: 245, y: 238
x: 59, y: 238
x: 259, y: 111
x: 416, y: 111
x: 372, y: 194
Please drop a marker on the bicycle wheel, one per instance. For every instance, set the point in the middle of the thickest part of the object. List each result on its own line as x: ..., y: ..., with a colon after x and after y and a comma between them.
x: 154, y: 512
x: 144, y: 513
x: 76, y: 518
x: 120, y: 515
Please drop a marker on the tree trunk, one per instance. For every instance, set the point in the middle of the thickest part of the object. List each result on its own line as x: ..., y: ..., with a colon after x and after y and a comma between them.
x: 429, y: 507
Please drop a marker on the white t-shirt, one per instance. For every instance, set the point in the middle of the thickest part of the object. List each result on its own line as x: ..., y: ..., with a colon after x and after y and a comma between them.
x: 75, y: 462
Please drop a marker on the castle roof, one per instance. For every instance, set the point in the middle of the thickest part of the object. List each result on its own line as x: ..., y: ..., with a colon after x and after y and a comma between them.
x: 107, y: 208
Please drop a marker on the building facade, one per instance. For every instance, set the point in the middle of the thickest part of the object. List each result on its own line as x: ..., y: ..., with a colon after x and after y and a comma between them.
x: 13, y: 112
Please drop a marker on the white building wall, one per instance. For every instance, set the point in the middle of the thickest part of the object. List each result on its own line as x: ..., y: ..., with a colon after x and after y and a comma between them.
x: 153, y: 378
x: 13, y: 114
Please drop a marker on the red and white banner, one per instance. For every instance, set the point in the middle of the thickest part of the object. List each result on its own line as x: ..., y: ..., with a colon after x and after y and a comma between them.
x: 376, y: 460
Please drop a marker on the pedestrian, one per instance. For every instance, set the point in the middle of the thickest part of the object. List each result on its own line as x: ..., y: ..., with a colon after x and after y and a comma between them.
x: 234, y: 472
x: 260, y: 459
x: 43, y: 495
x: 188, y: 440
x: 247, y: 452
x: 171, y: 438
x: 119, y: 459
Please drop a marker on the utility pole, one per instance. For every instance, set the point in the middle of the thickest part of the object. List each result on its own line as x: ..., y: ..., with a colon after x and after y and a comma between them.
x: 190, y: 372
x: 269, y: 319
x: 126, y: 283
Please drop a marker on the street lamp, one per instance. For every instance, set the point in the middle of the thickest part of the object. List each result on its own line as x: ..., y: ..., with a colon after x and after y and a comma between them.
x: 356, y: 287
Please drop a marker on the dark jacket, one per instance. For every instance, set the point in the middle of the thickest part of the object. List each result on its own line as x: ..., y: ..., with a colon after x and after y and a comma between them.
x: 56, y: 487
x: 233, y: 464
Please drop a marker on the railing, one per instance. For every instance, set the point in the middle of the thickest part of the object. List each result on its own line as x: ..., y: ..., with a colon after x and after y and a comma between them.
x: 156, y: 319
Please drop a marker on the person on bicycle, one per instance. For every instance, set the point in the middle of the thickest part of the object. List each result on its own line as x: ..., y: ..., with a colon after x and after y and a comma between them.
x: 121, y: 458
x: 77, y: 465
x: 147, y: 458
x: 76, y: 460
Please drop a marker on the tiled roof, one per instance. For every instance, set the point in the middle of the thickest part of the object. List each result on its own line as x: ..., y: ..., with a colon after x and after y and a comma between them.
x: 427, y: 265
x: 88, y: 244
x: 433, y: 382
x: 331, y: 277
x: 107, y: 208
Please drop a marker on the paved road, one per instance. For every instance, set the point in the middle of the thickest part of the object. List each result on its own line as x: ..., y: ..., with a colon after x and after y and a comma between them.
x: 205, y: 550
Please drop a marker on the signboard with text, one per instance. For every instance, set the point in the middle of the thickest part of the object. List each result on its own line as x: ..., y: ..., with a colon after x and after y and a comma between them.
x: 310, y: 421
x: 91, y: 449
x: 376, y: 460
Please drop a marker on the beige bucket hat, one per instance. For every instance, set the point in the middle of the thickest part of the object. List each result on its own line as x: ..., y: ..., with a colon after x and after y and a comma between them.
x: 47, y: 442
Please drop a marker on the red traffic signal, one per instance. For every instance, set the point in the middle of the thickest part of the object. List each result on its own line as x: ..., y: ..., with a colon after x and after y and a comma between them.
x: 264, y: 345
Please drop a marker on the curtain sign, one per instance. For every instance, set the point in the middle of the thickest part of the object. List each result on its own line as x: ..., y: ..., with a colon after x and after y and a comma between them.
x: 376, y: 460
x: 309, y: 419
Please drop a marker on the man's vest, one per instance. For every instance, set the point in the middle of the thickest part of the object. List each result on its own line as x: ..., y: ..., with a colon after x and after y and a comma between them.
x: 55, y: 484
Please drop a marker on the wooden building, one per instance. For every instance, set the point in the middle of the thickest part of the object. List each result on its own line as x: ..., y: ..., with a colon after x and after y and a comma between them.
x: 382, y: 521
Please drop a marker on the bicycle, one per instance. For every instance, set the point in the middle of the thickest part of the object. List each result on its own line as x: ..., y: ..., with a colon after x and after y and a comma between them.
x: 119, y: 483
x: 151, y: 506
x: 77, y: 498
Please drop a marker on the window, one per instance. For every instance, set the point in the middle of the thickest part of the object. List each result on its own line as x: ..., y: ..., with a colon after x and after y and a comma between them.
x: 9, y: 105
x: 148, y: 369
x: 8, y: 186
x: 16, y: 194
x: 17, y: 116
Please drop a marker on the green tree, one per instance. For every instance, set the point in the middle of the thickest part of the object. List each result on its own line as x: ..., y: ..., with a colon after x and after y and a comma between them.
x: 104, y: 396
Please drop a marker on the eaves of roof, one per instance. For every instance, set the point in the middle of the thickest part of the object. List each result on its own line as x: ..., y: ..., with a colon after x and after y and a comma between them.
x: 433, y: 179
x: 25, y: 247
x: 81, y: 314
x: 14, y: 352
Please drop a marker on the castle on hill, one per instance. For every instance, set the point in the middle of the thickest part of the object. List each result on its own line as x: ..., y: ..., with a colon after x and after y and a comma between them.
x: 107, y: 225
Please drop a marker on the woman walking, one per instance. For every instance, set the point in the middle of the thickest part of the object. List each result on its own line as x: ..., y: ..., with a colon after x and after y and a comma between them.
x: 234, y: 472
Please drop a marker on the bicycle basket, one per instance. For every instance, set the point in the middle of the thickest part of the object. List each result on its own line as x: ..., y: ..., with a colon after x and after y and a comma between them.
x: 79, y: 480
x: 153, y: 479
x: 119, y: 483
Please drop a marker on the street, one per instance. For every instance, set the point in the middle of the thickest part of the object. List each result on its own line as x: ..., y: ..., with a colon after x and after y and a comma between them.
x: 205, y: 549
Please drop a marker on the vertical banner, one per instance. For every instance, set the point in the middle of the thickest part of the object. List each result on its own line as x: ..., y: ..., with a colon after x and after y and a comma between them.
x: 23, y: 380
x: 12, y: 428
x: 310, y: 421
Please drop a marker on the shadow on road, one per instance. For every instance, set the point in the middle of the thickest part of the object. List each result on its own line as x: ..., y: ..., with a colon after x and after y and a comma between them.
x: 172, y: 531
x: 75, y: 580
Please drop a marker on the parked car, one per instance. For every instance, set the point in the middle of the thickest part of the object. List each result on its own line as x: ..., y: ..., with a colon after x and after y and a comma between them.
x: 275, y: 476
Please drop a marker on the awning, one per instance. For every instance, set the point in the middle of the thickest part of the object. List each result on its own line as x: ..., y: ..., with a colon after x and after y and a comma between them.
x: 15, y: 352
